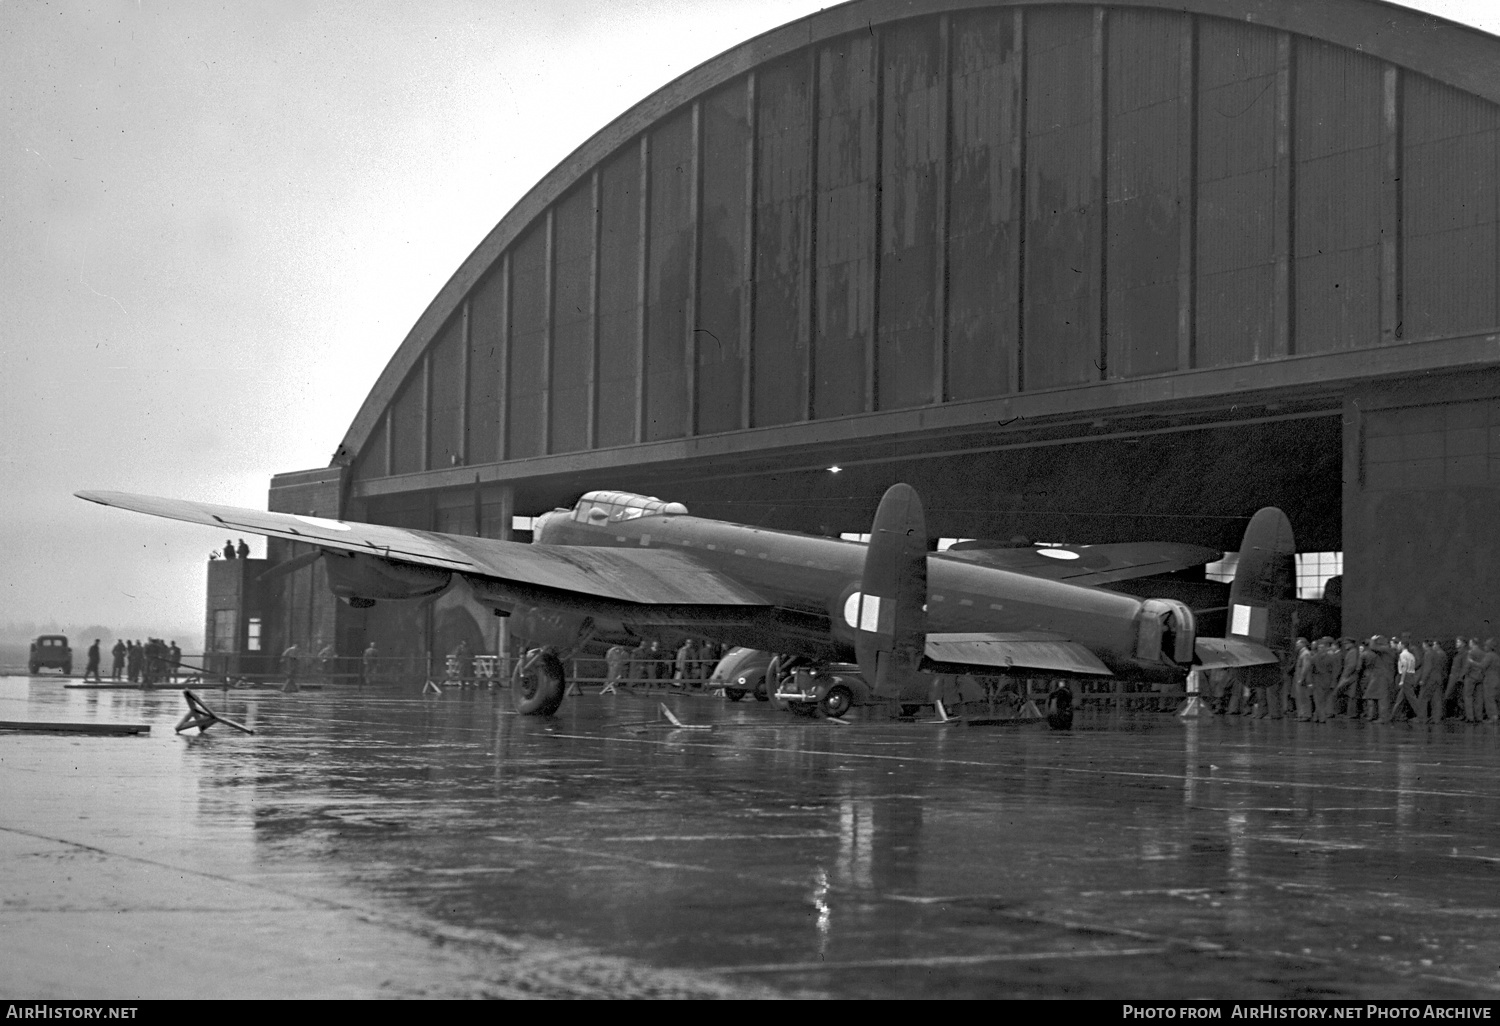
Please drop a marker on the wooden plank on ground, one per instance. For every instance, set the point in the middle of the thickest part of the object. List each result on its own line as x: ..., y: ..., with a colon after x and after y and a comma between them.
x: 39, y: 726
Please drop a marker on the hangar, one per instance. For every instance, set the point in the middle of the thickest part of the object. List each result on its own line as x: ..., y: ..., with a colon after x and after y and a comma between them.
x: 1076, y: 271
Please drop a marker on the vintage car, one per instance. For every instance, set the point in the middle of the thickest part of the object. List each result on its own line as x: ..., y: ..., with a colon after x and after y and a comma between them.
x: 832, y: 690
x: 51, y: 650
x: 742, y: 672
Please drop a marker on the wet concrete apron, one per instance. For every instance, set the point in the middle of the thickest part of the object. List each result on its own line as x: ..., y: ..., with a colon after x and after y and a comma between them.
x: 387, y: 842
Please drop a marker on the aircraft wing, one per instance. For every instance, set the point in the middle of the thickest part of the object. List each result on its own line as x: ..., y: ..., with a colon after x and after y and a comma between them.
x: 1047, y: 653
x: 642, y: 576
x: 1087, y: 564
x: 1224, y: 653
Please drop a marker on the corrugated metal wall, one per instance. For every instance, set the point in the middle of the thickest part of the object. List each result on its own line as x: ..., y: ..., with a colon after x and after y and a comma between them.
x: 957, y: 206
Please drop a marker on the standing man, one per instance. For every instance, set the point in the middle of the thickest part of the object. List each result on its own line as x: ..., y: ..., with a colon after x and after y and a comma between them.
x: 1378, y: 670
x: 242, y: 550
x: 367, y: 664
x: 118, y: 652
x: 174, y: 656
x: 326, y: 661
x: 228, y: 549
x: 1491, y: 681
x: 1474, y: 673
x: 1302, y: 680
x: 1432, y: 674
x: 1457, y: 667
x: 1325, y: 673
x: 93, y: 664
x: 1349, y: 677
x: 614, y: 662
x: 1406, y: 673
x: 291, y: 656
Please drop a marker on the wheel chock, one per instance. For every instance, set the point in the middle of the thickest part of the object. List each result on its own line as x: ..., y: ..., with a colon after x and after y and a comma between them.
x: 1192, y: 708
x: 677, y: 724
x: 608, y: 689
x: 431, y: 686
x: 1030, y: 711
x: 574, y: 689
x: 202, y: 717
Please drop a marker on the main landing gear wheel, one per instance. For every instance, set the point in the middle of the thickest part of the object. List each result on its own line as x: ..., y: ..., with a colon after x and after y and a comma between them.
x: 838, y: 701
x: 538, y: 690
x: 1060, y: 708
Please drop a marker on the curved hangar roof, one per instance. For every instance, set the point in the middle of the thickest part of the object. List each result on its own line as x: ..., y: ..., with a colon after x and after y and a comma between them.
x: 950, y: 207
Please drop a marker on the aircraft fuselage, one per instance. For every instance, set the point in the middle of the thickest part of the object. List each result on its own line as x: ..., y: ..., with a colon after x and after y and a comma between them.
x: 810, y: 579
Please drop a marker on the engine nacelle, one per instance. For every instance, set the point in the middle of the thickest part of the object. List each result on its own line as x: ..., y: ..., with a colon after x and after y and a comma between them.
x: 357, y: 576
x: 1165, y: 631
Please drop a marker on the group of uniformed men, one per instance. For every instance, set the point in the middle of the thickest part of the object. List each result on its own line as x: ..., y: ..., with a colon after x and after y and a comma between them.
x: 144, y: 664
x: 688, y: 666
x: 1379, y: 680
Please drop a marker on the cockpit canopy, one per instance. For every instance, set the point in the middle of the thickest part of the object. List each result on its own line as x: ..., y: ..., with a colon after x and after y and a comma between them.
x: 614, y: 507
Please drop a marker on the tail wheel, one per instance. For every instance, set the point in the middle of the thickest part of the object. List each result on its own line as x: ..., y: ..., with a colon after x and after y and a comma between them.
x: 733, y: 694
x: 538, y: 691
x: 762, y: 694
x: 838, y: 701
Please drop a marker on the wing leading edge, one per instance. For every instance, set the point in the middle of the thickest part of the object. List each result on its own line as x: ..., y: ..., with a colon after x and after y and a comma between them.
x: 640, y: 576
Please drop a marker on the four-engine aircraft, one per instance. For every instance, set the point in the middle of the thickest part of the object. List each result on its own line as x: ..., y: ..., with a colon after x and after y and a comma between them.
x: 619, y: 561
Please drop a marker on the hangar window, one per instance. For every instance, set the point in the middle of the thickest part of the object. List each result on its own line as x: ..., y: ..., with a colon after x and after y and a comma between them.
x: 252, y: 635
x: 615, y: 507
x: 1313, y: 571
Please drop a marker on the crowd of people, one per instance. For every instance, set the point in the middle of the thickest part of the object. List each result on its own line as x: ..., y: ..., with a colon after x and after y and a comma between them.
x: 154, y: 662
x: 1382, y: 679
x: 689, y: 665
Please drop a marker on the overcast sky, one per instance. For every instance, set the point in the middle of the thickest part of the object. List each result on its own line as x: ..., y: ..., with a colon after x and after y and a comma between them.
x: 219, y: 220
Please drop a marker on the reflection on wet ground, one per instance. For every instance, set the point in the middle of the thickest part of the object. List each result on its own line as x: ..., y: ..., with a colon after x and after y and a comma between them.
x: 390, y: 842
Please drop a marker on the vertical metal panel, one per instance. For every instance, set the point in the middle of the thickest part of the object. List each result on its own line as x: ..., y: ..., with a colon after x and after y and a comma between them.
x: 914, y: 118
x: 385, y: 426
x: 1236, y: 258
x: 1450, y: 152
x: 1340, y: 185
x: 1390, y: 204
x: 406, y: 423
x: 445, y: 396
x: 549, y: 279
x: 783, y: 221
x: 487, y: 325
x: 1187, y: 189
x: 1283, y: 214
x: 426, y: 392
x: 984, y: 203
x: 1061, y: 290
x: 643, y: 266
x: 527, y: 369
x: 722, y: 267
x: 1145, y: 190
x: 940, y: 257
x: 695, y: 232
x: 619, y: 296
x: 668, y: 276
x: 463, y: 380
x: 591, y: 431
x: 572, y: 320
x: 371, y: 461
x: 845, y: 248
